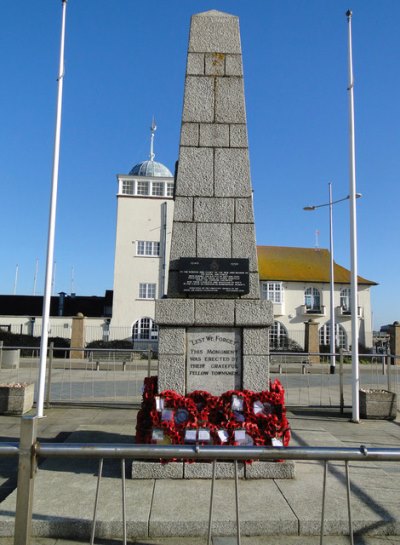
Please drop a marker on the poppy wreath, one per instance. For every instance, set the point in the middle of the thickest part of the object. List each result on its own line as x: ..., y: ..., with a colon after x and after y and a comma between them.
x: 262, y: 415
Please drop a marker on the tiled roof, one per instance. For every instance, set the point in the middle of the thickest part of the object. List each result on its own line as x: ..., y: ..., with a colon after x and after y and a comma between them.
x: 301, y: 264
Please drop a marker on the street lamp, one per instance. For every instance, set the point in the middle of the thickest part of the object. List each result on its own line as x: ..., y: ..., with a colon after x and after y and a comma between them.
x: 332, y: 274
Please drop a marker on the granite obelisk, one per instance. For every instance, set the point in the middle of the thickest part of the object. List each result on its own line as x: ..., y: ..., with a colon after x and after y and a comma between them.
x: 213, y: 326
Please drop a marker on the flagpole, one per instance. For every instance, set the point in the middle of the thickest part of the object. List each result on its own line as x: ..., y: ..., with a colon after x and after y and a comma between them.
x: 353, y: 237
x: 51, y: 229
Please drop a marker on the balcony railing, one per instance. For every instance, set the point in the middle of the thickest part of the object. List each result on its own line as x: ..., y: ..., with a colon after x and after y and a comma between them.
x: 344, y: 312
x: 314, y: 311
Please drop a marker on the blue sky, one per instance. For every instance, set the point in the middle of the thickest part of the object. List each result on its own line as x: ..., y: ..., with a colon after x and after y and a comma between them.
x: 125, y: 62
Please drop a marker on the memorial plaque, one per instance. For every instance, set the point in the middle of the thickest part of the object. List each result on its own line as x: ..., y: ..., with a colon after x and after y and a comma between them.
x: 213, y: 276
x: 213, y: 360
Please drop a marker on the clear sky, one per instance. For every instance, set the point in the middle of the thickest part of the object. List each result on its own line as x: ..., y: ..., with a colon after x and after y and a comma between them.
x: 125, y: 62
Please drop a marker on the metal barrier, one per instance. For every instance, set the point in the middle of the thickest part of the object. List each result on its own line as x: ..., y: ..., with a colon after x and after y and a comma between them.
x: 30, y: 450
x: 116, y: 376
x: 102, y: 376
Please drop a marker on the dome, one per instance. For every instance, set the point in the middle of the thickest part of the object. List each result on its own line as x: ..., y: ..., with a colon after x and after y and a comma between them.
x: 150, y: 169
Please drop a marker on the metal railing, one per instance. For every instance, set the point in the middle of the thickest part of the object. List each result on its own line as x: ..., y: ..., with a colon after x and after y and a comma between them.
x: 116, y: 376
x: 30, y: 450
x: 98, y: 376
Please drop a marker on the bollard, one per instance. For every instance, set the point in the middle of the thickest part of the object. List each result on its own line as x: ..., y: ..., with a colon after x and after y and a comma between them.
x: 26, y: 474
x: 1, y: 353
x: 97, y: 366
x: 124, y: 365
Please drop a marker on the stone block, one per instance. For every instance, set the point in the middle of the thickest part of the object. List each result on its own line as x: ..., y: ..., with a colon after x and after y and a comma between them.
x: 378, y: 404
x: 238, y: 136
x: 214, y: 135
x: 208, y: 210
x: 253, y: 313
x: 271, y: 470
x: 213, y: 31
x: 233, y: 65
x: 173, y: 284
x: 190, y: 134
x: 232, y: 173
x: 183, y: 240
x: 254, y: 287
x: 171, y: 340
x: 171, y: 373
x: 229, y: 101
x: 198, y: 104
x: 195, y: 64
x: 213, y: 240
x: 214, y: 312
x: 156, y: 470
x: 244, y: 212
x: 203, y: 470
x: 244, y: 243
x: 255, y: 341
x: 174, y: 312
x: 215, y: 64
x: 16, y: 399
x: 195, y: 172
x: 9, y: 358
x: 183, y: 209
x: 255, y: 373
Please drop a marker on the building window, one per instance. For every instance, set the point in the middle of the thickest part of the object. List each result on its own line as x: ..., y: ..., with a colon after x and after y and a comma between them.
x: 145, y: 329
x: 325, y: 335
x: 147, y: 248
x: 312, y: 300
x: 345, y: 300
x: 157, y: 189
x: 142, y: 188
x: 147, y: 291
x: 128, y: 187
x: 272, y: 291
x: 278, y: 336
x: 170, y: 189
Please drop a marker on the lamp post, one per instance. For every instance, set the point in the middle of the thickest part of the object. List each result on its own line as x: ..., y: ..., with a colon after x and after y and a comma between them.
x: 332, y: 273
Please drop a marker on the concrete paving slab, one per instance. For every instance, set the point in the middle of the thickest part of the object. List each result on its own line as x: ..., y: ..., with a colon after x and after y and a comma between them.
x: 372, y: 512
x: 64, y: 504
x: 182, y: 509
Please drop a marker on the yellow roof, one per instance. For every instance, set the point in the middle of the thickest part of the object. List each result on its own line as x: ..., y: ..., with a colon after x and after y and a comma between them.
x: 301, y: 264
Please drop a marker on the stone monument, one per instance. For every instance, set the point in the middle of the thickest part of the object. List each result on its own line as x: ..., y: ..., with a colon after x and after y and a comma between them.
x: 213, y: 325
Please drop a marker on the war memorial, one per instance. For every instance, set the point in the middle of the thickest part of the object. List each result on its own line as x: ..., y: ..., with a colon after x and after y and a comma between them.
x: 213, y: 384
x: 213, y: 377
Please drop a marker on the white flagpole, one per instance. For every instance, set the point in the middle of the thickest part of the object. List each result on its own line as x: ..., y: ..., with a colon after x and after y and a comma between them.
x: 51, y: 231
x: 353, y: 238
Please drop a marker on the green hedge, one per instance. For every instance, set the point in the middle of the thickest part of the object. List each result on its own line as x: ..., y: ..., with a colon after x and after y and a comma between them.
x: 117, y: 344
x: 25, y: 341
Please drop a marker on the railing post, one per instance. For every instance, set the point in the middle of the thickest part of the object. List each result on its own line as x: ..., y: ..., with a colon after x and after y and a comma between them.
x: 26, y: 476
x: 49, y: 368
x: 389, y: 372
x: 148, y: 360
x: 341, y: 358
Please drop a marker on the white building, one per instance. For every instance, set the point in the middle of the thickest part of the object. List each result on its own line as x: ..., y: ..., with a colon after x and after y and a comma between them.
x: 144, y: 224
x: 297, y: 280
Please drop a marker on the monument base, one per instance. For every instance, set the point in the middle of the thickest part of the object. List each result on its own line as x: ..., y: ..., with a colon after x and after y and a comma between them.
x: 223, y: 470
x: 236, y: 417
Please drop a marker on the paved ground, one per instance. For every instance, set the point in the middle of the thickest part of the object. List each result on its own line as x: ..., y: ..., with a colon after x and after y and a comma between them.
x: 159, y: 510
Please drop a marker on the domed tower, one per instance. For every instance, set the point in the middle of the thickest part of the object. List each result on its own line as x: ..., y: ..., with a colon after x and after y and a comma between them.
x: 144, y: 223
